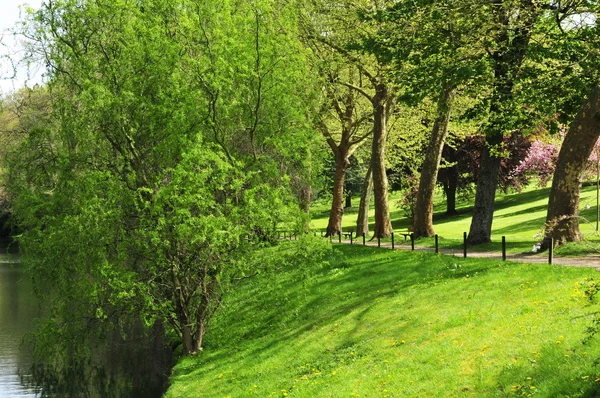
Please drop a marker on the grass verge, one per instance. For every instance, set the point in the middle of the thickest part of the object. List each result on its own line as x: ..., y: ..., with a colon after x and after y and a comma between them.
x: 376, y: 323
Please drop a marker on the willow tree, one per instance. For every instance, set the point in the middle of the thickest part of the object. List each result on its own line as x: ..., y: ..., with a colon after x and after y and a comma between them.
x: 174, y: 130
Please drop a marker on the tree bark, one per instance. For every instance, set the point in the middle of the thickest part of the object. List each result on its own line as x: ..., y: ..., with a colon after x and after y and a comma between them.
x: 483, y: 210
x: 334, y: 227
x: 362, y: 221
x: 181, y: 311
x: 348, y: 203
x: 450, y: 188
x: 562, y: 223
x: 423, y: 217
x: 382, y: 104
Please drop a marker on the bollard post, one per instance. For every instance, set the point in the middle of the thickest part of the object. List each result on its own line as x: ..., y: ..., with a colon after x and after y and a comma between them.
x: 321, y: 234
x: 550, y: 250
x: 437, y: 248
x: 378, y: 241
x: 464, y: 244
x: 340, y: 237
x: 330, y: 237
x: 412, y: 242
x: 364, y: 239
x: 350, y: 237
x: 392, y: 241
x: 504, y: 248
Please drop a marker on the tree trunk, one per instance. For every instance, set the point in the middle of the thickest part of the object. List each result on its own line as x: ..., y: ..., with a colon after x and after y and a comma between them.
x: 362, y: 222
x: 204, y: 310
x: 512, y: 40
x: 450, y: 188
x: 423, y: 216
x: 562, y: 223
x: 348, y: 200
x: 483, y: 210
x: 305, y: 197
x: 334, y: 227
x: 181, y: 310
x: 381, y: 107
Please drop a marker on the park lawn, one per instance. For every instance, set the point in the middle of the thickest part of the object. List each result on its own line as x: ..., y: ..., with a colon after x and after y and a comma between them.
x: 372, y: 322
x: 519, y: 217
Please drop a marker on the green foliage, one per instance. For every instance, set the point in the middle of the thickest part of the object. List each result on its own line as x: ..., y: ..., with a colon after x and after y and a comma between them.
x: 178, y: 130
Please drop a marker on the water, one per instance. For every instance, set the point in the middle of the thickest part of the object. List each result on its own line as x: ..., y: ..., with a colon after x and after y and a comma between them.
x: 136, y: 367
x: 18, y: 308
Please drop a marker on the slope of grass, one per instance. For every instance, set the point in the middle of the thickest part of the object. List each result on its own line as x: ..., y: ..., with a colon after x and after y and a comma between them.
x: 375, y: 323
x: 519, y: 217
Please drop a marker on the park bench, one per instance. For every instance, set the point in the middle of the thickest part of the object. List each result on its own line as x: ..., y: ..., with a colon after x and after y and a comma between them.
x: 405, y: 234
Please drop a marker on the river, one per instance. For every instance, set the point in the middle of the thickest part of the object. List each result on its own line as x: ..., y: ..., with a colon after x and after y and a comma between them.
x: 136, y: 367
x: 18, y: 308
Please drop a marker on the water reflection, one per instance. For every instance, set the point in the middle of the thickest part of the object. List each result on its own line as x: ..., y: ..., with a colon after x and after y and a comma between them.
x: 18, y: 308
x: 138, y: 366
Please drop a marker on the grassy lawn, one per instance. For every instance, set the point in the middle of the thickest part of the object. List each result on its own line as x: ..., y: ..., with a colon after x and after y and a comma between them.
x: 518, y: 216
x: 375, y: 323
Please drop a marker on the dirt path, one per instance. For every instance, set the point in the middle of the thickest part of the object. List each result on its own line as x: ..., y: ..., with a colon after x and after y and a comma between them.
x: 590, y: 260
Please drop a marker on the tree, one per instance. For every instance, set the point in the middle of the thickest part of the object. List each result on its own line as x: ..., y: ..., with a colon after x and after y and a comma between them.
x: 335, y: 27
x: 22, y: 113
x: 346, y: 135
x: 362, y: 219
x: 462, y: 166
x: 437, y: 50
x: 175, y: 130
x: 539, y: 163
x: 512, y: 23
x: 562, y: 223
x: 422, y: 223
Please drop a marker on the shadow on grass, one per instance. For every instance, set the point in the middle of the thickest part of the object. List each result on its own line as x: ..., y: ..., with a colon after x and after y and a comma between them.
x: 523, y: 212
x: 531, y: 224
x: 289, y: 308
x: 516, y: 199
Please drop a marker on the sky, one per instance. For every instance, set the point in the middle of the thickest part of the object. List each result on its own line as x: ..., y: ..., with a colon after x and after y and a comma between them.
x: 9, y: 15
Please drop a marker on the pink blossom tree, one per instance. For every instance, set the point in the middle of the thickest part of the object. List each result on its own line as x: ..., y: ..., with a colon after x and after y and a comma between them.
x: 541, y: 158
x: 539, y: 162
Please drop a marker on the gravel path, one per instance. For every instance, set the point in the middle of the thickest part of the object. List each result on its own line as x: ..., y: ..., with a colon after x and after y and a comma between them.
x: 590, y: 260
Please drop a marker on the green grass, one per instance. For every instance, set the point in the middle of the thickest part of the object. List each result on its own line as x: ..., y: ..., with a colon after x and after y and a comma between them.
x: 518, y: 216
x: 377, y: 323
